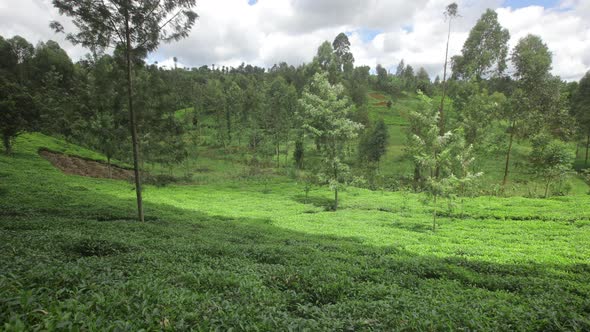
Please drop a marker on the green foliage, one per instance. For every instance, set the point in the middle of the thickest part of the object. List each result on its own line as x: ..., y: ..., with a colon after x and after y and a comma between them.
x: 581, y: 111
x: 421, y: 136
x: 532, y: 60
x: 17, y: 111
x: 409, y: 79
x: 235, y: 101
x: 537, y: 97
x: 445, y: 159
x: 373, y: 144
x: 382, y: 81
x: 325, y: 111
x: 342, y: 54
x: 550, y: 160
x: 298, y: 154
x: 423, y: 82
x: 214, y: 102
x: 485, y: 50
x: 325, y: 56
x: 73, y: 259
x: 358, y: 85
x: 477, y: 110
x: 278, y: 112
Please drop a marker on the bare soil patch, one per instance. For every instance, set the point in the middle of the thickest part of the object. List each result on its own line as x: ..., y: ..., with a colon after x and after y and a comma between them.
x: 382, y: 103
x: 377, y: 96
x: 86, y: 167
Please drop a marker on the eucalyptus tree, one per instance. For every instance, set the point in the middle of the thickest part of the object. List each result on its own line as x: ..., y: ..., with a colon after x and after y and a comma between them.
x: 137, y: 27
x: 409, y: 79
x: 234, y: 110
x: 50, y: 57
x: 278, y: 112
x: 581, y: 111
x: 343, y: 55
x: 53, y: 76
x: 8, y: 58
x: 401, y: 67
x: 550, y: 160
x: 450, y: 13
x: 536, y: 96
x: 431, y: 152
x: 485, y: 51
x: 423, y: 82
x: 382, y: 77
x: 358, y: 85
x: 17, y: 111
x: 253, y: 102
x: 477, y: 110
x: 23, y: 52
x: 214, y: 102
x: 325, y: 112
x: 324, y: 57
x: 373, y: 145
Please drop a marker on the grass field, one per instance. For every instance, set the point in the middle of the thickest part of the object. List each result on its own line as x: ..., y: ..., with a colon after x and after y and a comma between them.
x: 249, y: 255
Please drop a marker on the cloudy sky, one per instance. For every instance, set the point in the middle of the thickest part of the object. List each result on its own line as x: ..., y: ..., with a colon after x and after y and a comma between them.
x: 264, y: 32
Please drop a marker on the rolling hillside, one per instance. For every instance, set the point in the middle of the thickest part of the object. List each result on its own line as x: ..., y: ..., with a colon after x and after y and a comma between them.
x: 248, y: 254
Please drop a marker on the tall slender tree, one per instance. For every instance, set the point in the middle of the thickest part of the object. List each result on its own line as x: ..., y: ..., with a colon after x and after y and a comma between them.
x: 450, y: 14
x: 137, y: 27
x: 399, y: 72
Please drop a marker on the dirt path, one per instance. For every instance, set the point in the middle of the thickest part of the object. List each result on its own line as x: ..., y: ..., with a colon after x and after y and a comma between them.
x: 84, y: 167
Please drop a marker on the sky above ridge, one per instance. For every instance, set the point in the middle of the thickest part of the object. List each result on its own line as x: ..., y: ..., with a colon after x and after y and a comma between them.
x: 265, y: 32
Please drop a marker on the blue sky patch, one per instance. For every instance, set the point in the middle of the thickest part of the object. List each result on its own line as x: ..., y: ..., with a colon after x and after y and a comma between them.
x: 252, y: 2
x: 367, y: 34
x: 527, y: 3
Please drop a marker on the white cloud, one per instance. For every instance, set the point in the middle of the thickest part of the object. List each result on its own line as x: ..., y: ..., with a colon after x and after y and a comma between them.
x: 566, y: 33
x: 30, y: 19
x: 229, y: 32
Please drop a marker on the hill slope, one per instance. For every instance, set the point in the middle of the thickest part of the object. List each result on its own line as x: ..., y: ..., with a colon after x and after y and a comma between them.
x: 492, y: 163
x: 250, y: 255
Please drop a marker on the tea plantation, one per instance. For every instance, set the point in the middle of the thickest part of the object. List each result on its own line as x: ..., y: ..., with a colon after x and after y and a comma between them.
x: 243, y: 254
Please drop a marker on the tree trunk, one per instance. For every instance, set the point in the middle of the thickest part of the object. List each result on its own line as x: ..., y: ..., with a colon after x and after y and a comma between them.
x: 132, y: 120
x: 7, y: 145
x: 547, y: 189
x: 506, y: 168
x: 587, y: 147
x: 336, y: 188
x: 109, y: 167
x: 417, y: 177
x: 278, y: 155
x: 228, y: 124
x: 441, y: 112
x: 287, y: 149
x: 434, y: 216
